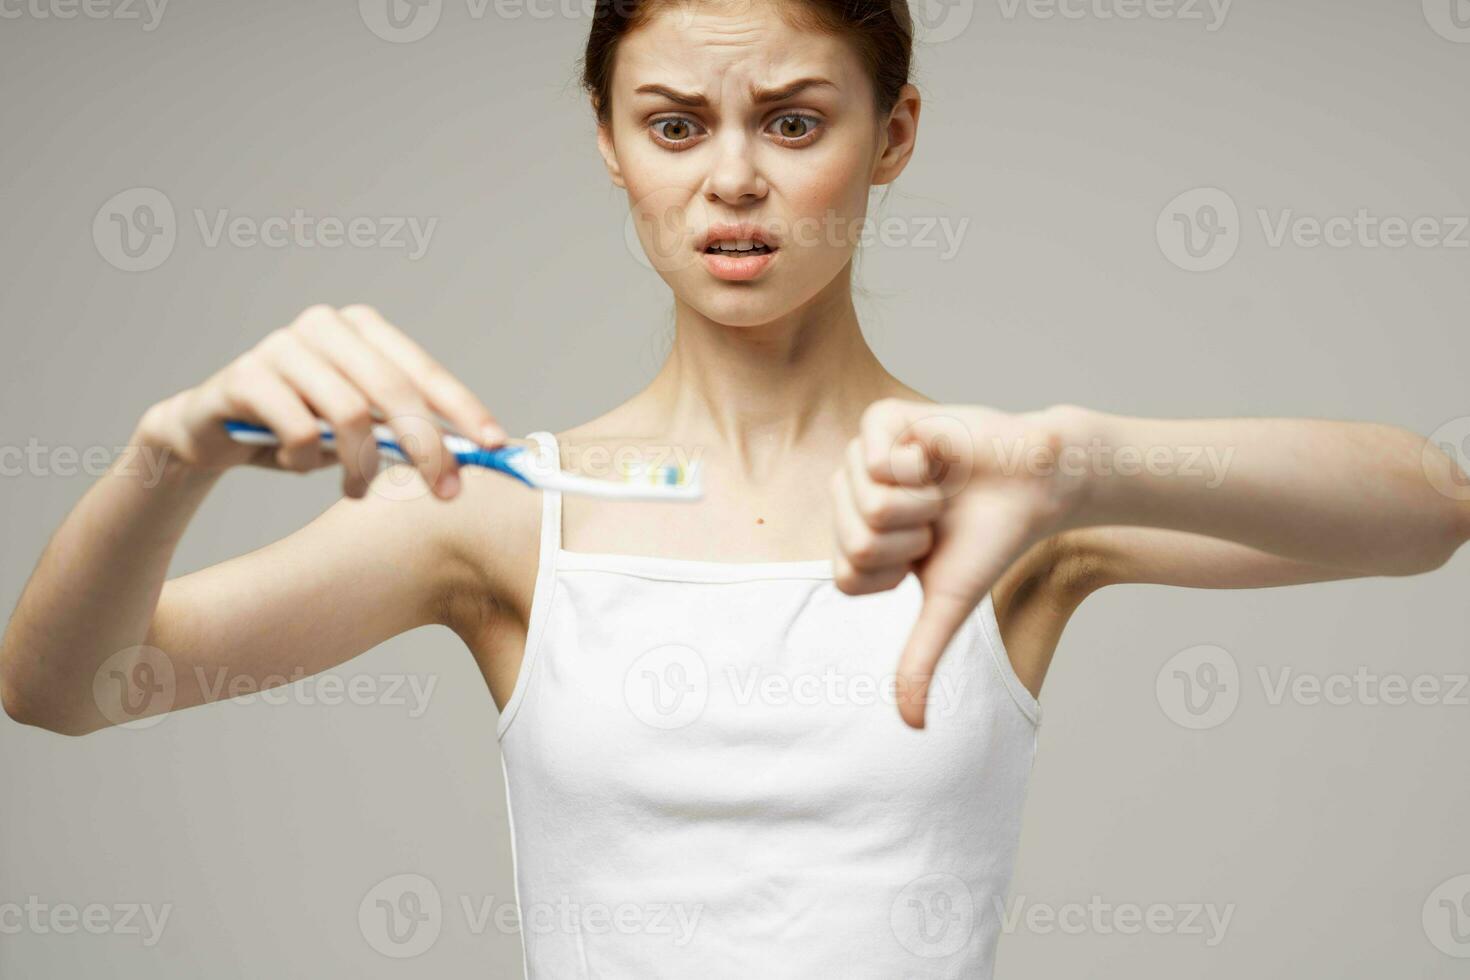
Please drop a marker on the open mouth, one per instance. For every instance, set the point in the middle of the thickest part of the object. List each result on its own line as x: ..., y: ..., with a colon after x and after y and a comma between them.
x: 739, y: 249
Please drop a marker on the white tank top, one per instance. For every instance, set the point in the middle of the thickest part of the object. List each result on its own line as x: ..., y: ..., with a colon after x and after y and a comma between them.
x: 708, y: 779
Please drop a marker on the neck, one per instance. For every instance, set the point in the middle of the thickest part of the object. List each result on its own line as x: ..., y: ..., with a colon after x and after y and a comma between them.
x: 769, y: 388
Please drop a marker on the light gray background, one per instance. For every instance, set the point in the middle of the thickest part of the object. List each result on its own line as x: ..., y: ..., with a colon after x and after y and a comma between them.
x: 1061, y: 140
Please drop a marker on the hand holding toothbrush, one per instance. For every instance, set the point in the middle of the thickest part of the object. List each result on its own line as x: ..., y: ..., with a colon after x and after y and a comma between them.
x: 349, y: 368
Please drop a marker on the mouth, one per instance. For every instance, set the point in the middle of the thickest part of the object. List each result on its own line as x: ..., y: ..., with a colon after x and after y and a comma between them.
x: 728, y: 238
x: 738, y: 247
x: 737, y: 253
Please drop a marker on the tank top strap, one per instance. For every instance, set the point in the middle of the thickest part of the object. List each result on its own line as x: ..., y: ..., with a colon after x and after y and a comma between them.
x: 550, y: 499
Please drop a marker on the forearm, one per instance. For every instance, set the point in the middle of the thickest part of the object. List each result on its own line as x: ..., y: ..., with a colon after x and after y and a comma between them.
x: 1357, y: 496
x: 96, y: 585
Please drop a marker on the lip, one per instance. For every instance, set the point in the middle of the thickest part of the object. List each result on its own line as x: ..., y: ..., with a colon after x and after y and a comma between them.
x: 737, y: 268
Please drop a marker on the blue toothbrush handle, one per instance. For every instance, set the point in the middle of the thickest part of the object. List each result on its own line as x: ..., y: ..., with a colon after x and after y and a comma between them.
x: 465, y: 452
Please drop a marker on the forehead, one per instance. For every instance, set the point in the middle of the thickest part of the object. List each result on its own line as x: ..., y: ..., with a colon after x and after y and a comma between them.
x: 725, y: 47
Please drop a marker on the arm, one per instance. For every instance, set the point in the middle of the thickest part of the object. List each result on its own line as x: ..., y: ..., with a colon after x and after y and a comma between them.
x: 363, y: 571
x: 1156, y: 556
x: 97, y: 611
x: 1364, y: 498
x: 957, y: 494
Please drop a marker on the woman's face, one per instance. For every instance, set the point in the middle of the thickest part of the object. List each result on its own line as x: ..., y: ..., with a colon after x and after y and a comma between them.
x: 730, y: 128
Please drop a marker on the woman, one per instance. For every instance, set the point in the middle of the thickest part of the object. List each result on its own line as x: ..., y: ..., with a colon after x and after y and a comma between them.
x: 700, y: 720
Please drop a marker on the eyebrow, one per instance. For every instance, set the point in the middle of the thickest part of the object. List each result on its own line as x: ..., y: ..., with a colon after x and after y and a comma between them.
x: 697, y: 100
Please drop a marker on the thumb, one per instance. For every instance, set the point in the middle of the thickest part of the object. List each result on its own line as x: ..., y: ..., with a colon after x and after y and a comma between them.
x: 940, y: 618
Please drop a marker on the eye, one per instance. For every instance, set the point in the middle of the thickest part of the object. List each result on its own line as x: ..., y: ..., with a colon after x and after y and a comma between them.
x: 796, y: 129
x: 675, y: 131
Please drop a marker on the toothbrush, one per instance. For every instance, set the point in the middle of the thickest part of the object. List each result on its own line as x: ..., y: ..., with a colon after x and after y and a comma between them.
x: 524, y: 463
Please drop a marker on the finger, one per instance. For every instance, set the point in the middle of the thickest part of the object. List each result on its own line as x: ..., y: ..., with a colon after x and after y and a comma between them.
x: 890, y: 456
x: 853, y: 582
x: 868, y: 549
x: 905, y: 442
x: 940, y: 618
x: 389, y: 389
x: 255, y: 391
x: 335, y: 399
x: 445, y: 393
x: 885, y: 507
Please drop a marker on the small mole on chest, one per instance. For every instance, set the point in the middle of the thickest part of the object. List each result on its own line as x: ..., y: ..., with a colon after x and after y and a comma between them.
x: 760, y: 520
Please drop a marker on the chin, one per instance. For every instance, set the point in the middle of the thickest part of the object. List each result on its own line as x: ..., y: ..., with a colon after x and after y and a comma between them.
x: 748, y: 305
x: 740, y: 306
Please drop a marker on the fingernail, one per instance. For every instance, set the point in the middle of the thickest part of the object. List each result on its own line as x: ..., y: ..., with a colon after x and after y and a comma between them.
x: 448, y: 485
x: 492, y: 435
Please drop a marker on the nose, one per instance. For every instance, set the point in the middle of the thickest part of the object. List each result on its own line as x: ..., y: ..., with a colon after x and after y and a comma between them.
x: 734, y: 177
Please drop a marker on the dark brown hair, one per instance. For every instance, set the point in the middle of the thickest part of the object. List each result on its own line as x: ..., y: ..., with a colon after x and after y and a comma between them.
x: 882, y: 31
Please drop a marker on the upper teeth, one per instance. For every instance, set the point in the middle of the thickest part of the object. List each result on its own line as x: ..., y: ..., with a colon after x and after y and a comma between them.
x: 743, y: 245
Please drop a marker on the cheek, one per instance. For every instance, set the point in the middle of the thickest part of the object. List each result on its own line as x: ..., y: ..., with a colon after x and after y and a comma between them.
x: 828, y: 201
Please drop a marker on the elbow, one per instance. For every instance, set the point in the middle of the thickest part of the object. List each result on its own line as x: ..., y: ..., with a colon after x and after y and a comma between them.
x: 1439, y: 547
x: 1441, y: 464
x: 18, y: 708
x: 24, y: 710
x: 1456, y: 533
x: 1459, y: 528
